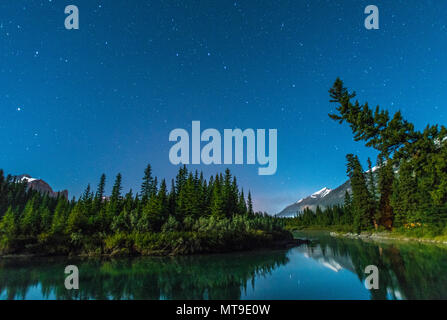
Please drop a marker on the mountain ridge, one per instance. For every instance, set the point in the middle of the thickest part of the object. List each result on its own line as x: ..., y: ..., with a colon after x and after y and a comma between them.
x: 323, y: 198
x: 40, y: 186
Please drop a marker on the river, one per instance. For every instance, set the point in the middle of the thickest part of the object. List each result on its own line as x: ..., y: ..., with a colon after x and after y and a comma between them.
x: 327, y: 268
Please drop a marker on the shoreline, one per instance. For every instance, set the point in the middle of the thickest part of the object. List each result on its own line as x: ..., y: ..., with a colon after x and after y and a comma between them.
x: 384, y: 237
x: 286, y: 244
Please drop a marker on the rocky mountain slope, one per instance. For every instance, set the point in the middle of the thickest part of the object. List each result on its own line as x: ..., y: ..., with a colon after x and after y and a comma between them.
x: 323, y: 198
x: 40, y: 186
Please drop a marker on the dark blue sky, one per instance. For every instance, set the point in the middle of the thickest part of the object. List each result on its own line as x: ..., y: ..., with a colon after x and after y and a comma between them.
x: 75, y: 104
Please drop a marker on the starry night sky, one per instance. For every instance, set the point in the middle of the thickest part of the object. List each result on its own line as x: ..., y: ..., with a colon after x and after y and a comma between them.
x: 75, y: 104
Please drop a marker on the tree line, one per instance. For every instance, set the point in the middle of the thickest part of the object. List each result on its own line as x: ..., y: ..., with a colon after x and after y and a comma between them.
x: 96, y: 222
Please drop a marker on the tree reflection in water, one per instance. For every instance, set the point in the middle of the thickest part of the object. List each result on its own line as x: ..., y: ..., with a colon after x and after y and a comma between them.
x: 187, y: 277
x: 408, y: 270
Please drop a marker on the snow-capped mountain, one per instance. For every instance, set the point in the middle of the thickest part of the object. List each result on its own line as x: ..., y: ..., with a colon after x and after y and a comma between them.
x: 321, y: 193
x: 317, y: 195
x: 323, y: 198
x: 39, y: 185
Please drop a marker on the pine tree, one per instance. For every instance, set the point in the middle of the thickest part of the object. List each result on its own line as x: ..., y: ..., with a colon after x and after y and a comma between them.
x: 135, y: 215
x: 121, y: 222
x: 227, y: 193
x: 404, y: 196
x: 347, y: 205
x: 362, y: 208
x: 129, y: 201
x: 87, y: 195
x: 116, y: 191
x: 180, y: 179
x: 46, y: 218
x: 172, y: 199
x: 202, y: 195
x: 242, y: 205
x: 234, y: 198
x: 371, y: 181
x: 217, y: 200
x: 188, y: 199
x: 101, y: 188
x: 163, y: 200
x: 8, y: 226
x: 151, y: 216
x: 77, y: 220
x: 250, y: 204
x: 379, y: 130
x: 99, y: 199
x: 209, y: 195
x: 384, y: 215
x: 149, y: 185
x: 114, y: 205
x: 58, y: 224
x: 87, y: 201
x: 29, y: 224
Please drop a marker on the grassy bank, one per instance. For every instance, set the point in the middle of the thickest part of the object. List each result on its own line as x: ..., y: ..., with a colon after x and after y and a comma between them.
x: 402, y: 234
x: 133, y: 244
x: 410, y: 231
x: 206, y: 235
x: 340, y: 229
x: 393, y: 235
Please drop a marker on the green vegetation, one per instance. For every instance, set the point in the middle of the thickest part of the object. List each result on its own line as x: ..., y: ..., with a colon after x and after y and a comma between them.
x: 408, y: 191
x: 179, y: 277
x: 194, y: 216
x: 407, y: 270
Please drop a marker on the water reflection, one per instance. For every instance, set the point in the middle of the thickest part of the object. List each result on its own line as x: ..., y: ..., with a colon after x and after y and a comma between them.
x: 407, y: 270
x: 333, y: 269
x: 190, y: 277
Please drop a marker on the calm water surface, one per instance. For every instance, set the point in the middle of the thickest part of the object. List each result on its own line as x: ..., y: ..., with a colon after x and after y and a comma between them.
x: 328, y: 268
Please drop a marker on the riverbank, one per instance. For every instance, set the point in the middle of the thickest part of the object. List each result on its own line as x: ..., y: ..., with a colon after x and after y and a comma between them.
x: 386, y: 236
x: 418, y: 235
x: 179, y: 244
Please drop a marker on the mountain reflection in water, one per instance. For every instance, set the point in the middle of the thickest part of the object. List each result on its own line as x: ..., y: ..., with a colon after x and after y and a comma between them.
x: 328, y: 268
x: 407, y: 270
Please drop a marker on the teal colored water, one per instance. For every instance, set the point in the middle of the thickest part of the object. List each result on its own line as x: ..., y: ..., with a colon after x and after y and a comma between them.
x: 328, y: 268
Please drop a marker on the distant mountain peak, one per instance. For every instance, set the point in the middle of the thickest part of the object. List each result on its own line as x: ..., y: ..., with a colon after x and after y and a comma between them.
x: 321, y: 193
x: 40, y: 186
x: 25, y: 178
x: 322, y: 198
